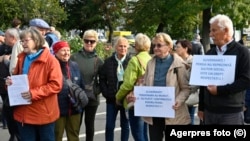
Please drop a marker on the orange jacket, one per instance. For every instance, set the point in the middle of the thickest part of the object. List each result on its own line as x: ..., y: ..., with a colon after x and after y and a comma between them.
x: 45, y: 82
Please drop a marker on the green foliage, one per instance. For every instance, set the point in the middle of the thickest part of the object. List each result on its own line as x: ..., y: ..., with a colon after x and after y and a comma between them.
x: 75, y: 43
x: 49, y: 10
x: 102, y: 53
x: 83, y: 15
x: 178, y: 18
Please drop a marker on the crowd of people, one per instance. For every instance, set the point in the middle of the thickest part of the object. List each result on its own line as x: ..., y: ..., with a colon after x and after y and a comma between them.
x: 39, y: 53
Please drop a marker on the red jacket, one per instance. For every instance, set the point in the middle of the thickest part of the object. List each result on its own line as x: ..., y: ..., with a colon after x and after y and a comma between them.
x: 45, y: 82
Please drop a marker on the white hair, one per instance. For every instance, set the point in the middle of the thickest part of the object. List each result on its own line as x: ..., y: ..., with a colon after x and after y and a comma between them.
x: 223, y: 21
x: 13, y: 32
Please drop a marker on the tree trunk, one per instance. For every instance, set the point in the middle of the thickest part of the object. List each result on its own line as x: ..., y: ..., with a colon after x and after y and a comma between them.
x: 206, y: 29
x: 160, y: 28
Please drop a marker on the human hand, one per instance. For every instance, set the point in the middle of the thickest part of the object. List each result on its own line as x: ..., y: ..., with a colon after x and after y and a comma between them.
x: 118, y: 102
x: 130, y: 97
x: 8, y: 81
x: 6, y: 57
x: 177, y: 105
x: 201, y: 115
x: 212, y: 89
x: 26, y: 95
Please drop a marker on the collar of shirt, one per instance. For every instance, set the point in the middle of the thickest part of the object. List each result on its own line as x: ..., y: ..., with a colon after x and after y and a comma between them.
x: 223, y: 49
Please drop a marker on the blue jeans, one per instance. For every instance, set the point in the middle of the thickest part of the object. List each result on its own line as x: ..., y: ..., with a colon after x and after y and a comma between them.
x: 138, y: 127
x: 191, y: 110
x: 30, y: 132
x: 112, y: 111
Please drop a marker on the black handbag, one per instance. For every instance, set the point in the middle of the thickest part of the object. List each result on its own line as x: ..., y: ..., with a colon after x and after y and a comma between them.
x: 77, y: 95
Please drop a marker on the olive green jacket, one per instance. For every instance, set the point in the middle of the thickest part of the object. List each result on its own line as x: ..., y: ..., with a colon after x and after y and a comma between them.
x: 86, y: 62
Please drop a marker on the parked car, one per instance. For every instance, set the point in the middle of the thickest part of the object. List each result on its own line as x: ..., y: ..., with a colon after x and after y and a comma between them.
x: 131, y: 39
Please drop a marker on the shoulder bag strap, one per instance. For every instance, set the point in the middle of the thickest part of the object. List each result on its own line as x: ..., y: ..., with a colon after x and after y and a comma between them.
x: 95, y: 65
x: 140, y: 77
x: 143, y: 66
x: 95, y: 70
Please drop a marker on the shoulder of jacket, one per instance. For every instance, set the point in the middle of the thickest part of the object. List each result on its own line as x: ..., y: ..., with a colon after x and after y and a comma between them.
x: 178, y: 62
x: 72, y: 63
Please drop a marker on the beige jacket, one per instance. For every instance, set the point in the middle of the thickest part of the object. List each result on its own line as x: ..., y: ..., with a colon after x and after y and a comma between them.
x: 180, y: 83
x: 17, y: 48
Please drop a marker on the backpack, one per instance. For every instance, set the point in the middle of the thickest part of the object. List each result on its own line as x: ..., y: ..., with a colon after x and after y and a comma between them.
x: 77, y: 95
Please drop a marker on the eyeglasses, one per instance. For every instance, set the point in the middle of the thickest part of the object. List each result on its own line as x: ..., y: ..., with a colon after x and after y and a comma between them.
x: 158, y: 45
x: 86, y: 41
x: 25, y: 41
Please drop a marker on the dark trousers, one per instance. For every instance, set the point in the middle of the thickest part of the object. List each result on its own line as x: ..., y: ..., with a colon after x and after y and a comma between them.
x: 89, y: 120
x: 157, y: 130
x: 43, y: 132
x: 11, y: 123
x: 111, y: 115
x: 223, y: 118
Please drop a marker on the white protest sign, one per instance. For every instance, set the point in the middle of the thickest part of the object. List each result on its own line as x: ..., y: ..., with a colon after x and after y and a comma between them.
x: 20, y: 83
x: 212, y: 70
x: 154, y: 101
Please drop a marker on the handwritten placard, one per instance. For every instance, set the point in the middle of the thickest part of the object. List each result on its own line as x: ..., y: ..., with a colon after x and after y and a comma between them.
x: 212, y: 70
x: 154, y: 101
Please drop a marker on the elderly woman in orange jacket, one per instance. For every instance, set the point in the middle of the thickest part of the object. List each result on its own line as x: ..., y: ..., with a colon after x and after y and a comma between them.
x: 45, y: 82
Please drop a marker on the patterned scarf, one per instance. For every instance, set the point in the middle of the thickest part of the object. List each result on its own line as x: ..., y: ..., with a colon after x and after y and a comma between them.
x: 120, y: 70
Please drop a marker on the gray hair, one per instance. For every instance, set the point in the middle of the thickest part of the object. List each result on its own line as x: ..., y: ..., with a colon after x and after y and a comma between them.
x: 34, y: 34
x: 13, y: 32
x: 223, y: 22
x: 118, y: 39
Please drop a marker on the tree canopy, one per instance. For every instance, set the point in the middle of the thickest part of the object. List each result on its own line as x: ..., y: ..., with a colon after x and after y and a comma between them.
x: 49, y: 10
x: 178, y: 18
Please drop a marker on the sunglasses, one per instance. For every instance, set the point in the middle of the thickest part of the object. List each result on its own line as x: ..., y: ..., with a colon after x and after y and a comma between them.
x: 158, y: 45
x: 86, y: 41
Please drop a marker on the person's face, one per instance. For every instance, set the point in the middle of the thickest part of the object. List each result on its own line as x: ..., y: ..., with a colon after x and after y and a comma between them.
x: 29, y: 45
x: 218, y: 35
x: 161, y: 49
x: 89, y: 43
x: 180, y: 50
x: 42, y: 30
x: 9, y: 40
x: 122, y: 48
x: 63, y: 54
x: 108, y: 47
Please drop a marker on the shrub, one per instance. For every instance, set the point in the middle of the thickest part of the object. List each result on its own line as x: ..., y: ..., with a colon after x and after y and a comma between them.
x: 76, y: 44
